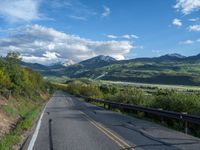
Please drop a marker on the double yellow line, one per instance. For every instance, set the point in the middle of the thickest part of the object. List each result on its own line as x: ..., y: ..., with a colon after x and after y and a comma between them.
x: 119, y: 141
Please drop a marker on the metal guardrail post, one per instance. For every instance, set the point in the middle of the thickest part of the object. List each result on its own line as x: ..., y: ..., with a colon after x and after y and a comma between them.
x: 186, y: 123
x: 162, y: 118
x: 108, y: 106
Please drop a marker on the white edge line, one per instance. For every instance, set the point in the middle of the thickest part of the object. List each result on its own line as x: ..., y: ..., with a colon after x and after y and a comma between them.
x: 35, y: 134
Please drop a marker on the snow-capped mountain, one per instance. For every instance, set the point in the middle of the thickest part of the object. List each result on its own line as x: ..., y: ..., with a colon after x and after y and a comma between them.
x: 68, y: 63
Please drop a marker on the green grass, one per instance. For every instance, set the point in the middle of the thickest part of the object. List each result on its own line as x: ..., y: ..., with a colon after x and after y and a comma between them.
x: 133, y: 84
x: 15, y: 135
x: 61, y: 79
x: 9, y: 110
x: 163, y: 86
x: 28, y: 111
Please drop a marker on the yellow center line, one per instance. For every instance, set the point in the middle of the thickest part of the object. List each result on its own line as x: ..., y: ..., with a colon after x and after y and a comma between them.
x: 119, y: 141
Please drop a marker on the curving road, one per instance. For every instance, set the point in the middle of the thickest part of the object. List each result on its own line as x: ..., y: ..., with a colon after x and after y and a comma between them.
x: 70, y: 124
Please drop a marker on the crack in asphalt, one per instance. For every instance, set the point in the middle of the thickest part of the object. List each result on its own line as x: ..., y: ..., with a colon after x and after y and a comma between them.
x: 50, y: 135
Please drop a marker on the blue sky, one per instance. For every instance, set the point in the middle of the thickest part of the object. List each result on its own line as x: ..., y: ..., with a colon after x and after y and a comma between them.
x: 48, y: 31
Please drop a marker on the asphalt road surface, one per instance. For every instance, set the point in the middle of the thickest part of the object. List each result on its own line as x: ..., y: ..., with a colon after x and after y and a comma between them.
x: 68, y: 123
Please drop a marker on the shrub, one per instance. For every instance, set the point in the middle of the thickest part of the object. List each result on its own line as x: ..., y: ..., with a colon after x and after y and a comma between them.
x: 131, y: 96
x: 180, y: 102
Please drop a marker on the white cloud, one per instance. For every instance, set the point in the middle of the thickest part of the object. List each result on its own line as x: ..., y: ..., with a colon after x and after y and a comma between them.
x: 187, y: 6
x: 177, y: 22
x: 187, y: 42
x: 134, y: 36
x: 60, y: 3
x: 106, y: 11
x: 194, y: 19
x: 78, y: 17
x: 194, y: 28
x: 76, y: 9
x: 112, y: 36
x: 47, y: 58
x: 46, y: 45
x: 125, y: 36
x: 15, y: 10
x: 51, y: 55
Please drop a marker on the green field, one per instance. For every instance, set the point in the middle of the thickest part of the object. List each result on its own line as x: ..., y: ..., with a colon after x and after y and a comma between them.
x: 146, y: 85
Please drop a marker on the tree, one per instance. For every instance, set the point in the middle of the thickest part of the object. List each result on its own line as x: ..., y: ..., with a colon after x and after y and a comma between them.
x: 13, y: 57
x: 4, y: 79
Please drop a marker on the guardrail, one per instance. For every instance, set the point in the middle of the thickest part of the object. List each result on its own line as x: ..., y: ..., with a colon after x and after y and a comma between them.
x: 159, y: 112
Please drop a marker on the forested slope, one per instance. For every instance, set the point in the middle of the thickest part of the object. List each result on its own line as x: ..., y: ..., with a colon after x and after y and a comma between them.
x: 22, y: 95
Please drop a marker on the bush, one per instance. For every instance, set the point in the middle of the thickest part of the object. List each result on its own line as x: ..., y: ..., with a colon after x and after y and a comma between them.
x: 4, y: 79
x: 180, y: 102
x: 131, y: 96
x: 80, y: 88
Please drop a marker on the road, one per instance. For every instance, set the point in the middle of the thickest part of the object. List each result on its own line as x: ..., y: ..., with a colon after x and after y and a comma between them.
x: 68, y: 123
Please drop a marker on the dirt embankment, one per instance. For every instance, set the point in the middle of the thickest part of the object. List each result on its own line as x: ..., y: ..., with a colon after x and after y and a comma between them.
x: 6, y: 121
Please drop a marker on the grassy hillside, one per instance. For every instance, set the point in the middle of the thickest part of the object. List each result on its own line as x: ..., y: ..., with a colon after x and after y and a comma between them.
x: 167, y: 69
x: 149, y: 71
x: 22, y: 95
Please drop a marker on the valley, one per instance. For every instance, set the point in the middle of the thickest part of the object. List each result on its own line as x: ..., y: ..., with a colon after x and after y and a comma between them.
x: 171, y: 69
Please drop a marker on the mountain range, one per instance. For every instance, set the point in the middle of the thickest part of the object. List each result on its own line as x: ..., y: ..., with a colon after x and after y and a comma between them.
x: 167, y: 69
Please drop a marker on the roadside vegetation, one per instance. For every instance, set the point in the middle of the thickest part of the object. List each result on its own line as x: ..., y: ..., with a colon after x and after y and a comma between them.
x: 167, y: 99
x: 22, y: 94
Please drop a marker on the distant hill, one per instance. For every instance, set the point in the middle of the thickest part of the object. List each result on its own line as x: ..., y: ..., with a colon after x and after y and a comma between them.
x: 61, y: 69
x: 34, y: 66
x: 166, y: 69
x: 173, y: 56
x: 193, y: 59
x: 98, y: 61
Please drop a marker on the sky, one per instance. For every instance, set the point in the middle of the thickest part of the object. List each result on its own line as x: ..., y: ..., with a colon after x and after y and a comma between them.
x: 52, y: 31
